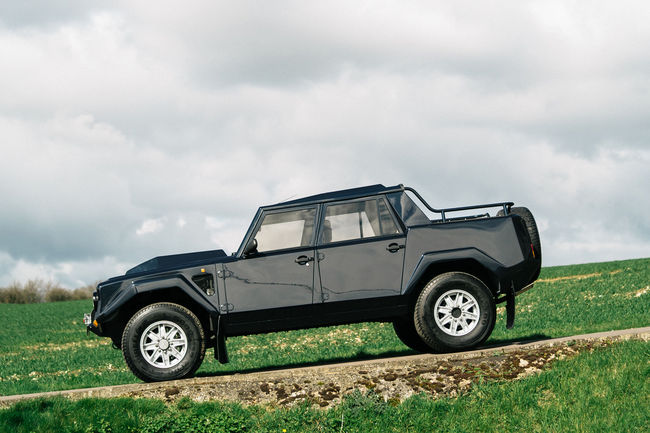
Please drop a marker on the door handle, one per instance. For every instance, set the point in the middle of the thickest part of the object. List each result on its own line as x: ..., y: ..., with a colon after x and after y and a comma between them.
x: 394, y: 247
x: 304, y: 260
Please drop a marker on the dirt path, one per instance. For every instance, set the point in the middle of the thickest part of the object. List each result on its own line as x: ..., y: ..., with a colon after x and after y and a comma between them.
x: 395, y: 379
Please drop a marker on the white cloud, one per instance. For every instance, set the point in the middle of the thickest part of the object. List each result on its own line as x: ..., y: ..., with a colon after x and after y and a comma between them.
x: 69, y: 274
x: 151, y: 226
x: 136, y: 131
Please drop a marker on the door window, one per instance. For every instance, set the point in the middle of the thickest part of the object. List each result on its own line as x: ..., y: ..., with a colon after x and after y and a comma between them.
x: 282, y: 230
x: 357, y: 220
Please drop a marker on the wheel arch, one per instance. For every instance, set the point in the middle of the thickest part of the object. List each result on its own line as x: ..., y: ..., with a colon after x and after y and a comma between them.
x: 173, y: 291
x: 476, y: 263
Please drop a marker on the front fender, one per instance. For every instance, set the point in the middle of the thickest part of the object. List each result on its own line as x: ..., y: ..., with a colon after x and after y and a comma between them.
x: 153, y: 284
x: 179, y: 281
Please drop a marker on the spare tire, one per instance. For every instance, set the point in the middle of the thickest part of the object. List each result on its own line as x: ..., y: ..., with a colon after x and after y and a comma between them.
x: 529, y: 220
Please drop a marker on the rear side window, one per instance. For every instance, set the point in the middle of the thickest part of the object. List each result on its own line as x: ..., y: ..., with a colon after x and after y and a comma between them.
x: 284, y: 230
x: 408, y: 211
x: 357, y: 220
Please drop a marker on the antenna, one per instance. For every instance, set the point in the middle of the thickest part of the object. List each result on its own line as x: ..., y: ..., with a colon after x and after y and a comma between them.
x: 288, y: 198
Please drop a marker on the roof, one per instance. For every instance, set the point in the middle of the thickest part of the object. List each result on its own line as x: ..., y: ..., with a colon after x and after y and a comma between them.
x: 344, y: 194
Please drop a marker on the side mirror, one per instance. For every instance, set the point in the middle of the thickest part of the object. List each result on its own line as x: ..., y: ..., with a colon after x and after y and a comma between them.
x: 251, y: 248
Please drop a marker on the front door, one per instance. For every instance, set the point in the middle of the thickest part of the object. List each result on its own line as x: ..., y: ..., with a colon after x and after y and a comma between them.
x: 360, y: 251
x: 280, y: 273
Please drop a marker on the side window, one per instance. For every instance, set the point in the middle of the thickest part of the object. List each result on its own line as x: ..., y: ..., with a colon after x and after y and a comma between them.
x: 357, y: 220
x: 283, y: 230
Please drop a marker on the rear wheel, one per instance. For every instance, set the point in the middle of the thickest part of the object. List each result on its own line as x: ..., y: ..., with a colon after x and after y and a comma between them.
x: 406, y: 332
x: 455, y: 311
x: 163, y: 342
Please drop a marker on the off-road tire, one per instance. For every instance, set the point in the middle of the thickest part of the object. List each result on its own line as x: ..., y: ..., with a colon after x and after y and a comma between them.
x: 531, y: 226
x: 444, y: 287
x: 406, y: 332
x: 180, y: 317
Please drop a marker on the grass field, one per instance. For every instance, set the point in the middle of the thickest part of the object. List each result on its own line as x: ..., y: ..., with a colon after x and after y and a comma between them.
x: 604, y: 391
x: 45, y: 346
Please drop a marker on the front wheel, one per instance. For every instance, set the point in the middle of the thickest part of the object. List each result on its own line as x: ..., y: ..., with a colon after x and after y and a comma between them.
x: 163, y: 341
x: 455, y: 311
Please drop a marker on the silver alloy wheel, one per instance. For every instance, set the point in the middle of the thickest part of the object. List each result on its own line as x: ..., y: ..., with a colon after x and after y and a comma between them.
x: 456, y: 313
x: 163, y: 344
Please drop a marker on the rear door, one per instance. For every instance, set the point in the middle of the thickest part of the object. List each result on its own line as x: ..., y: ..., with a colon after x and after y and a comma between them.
x: 360, y: 250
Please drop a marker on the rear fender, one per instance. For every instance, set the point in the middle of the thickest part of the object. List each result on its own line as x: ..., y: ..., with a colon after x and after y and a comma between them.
x: 469, y: 260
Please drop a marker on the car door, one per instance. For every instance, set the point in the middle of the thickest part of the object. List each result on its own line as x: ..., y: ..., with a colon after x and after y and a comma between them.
x: 360, y: 250
x: 280, y: 272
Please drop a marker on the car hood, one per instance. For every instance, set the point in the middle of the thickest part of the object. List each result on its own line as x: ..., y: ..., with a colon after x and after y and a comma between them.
x: 175, y: 261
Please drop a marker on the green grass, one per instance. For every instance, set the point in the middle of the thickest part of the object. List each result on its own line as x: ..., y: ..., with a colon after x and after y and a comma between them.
x: 604, y: 391
x: 45, y: 346
x: 605, y: 296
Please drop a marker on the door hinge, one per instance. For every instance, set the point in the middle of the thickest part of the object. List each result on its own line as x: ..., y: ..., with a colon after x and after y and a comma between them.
x: 224, y: 274
x: 225, y: 308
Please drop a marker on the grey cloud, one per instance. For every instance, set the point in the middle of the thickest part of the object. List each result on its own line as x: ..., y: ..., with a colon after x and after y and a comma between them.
x: 225, y: 44
x: 78, y: 189
x: 35, y: 14
x: 119, y: 124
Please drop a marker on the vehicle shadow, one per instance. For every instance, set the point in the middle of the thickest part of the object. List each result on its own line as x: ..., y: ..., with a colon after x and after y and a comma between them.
x: 496, y: 342
x: 363, y: 356
x: 360, y: 356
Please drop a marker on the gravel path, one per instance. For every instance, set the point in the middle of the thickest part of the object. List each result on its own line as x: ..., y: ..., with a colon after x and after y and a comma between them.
x: 395, y: 379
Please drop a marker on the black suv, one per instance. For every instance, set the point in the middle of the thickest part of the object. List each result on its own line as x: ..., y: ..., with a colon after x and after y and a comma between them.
x: 363, y: 254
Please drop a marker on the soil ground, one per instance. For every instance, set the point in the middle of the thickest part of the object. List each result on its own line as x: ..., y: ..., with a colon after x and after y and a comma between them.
x: 395, y: 379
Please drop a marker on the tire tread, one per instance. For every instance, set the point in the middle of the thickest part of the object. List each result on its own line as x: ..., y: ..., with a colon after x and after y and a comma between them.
x: 421, y: 304
x: 145, y: 310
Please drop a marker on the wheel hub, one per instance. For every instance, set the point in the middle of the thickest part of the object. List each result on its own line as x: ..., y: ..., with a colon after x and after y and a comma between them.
x: 456, y: 313
x: 163, y: 344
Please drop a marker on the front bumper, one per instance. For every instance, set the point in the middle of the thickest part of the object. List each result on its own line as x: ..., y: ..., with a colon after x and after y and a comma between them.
x: 91, y: 324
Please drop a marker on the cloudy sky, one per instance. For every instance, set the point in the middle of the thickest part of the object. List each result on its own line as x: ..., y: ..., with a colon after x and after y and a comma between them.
x: 137, y: 128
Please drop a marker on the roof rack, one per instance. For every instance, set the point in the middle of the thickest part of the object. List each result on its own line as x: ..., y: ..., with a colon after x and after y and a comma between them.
x: 505, y: 205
